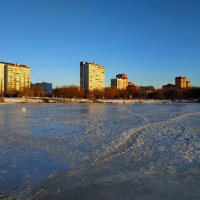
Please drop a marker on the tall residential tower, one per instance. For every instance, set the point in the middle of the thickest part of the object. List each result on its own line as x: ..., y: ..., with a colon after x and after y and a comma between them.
x: 92, y: 76
x: 1, y: 78
x: 14, y: 78
x: 181, y: 82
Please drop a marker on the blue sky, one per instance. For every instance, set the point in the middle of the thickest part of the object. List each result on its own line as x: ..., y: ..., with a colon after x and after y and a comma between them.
x: 152, y: 41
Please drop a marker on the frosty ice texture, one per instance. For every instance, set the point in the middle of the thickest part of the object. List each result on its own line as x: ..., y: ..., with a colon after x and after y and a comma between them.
x: 100, y: 151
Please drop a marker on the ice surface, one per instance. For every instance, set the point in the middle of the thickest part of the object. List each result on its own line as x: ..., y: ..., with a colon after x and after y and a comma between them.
x: 100, y: 151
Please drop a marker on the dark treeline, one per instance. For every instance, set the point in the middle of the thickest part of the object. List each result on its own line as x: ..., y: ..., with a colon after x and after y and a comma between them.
x: 130, y: 93
x: 68, y: 92
x: 113, y: 93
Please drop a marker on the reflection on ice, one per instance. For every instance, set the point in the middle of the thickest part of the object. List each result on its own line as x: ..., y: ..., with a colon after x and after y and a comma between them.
x: 93, y: 109
x: 24, y: 109
x: 100, y: 151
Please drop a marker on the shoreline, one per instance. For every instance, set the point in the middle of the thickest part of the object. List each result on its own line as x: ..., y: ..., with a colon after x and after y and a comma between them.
x: 79, y: 101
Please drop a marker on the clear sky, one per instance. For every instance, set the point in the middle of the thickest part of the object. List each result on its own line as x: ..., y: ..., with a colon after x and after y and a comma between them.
x: 152, y: 41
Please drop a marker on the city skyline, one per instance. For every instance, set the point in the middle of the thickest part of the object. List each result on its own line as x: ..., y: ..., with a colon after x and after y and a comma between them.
x: 151, y: 41
x: 92, y: 76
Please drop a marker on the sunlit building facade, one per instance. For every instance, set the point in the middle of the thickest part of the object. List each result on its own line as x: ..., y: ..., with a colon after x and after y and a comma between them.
x: 120, y: 82
x: 1, y: 78
x: 14, y: 77
x: 92, y: 76
x: 188, y: 84
x: 181, y: 82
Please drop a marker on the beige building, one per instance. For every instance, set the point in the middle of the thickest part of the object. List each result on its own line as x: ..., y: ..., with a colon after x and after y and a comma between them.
x: 16, y: 77
x: 92, y: 76
x: 1, y: 78
x: 120, y: 82
x: 181, y: 82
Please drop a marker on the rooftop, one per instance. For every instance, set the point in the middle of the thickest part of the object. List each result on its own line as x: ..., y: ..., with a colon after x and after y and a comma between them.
x: 14, y: 64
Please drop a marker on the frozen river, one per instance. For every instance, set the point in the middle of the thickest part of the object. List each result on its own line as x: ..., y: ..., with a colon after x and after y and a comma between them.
x: 100, y: 151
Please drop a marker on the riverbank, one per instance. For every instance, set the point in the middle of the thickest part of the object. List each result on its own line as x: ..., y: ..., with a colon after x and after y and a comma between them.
x: 42, y: 100
x: 75, y: 100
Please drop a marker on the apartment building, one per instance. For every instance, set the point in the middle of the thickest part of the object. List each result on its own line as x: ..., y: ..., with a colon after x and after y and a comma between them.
x: 1, y: 78
x: 92, y: 76
x: 15, y: 77
x: 120, y: 82
x: 181, y: 82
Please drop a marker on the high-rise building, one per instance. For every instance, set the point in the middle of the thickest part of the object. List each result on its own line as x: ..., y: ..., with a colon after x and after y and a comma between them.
x: 92, y: 76
x: 16, y: 77
x: 120, y: 82
x: 181, y: 82
x: 1, y: 78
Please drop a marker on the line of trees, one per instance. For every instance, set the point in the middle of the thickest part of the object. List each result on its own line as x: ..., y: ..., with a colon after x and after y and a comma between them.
x: 113, y: 93
x: 130, y: 93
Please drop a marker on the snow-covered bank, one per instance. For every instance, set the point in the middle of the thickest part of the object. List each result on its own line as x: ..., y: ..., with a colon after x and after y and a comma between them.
x: 76, y: 100
x: 43, y: 100
x: 21, y: 100
x: 133, y: 101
